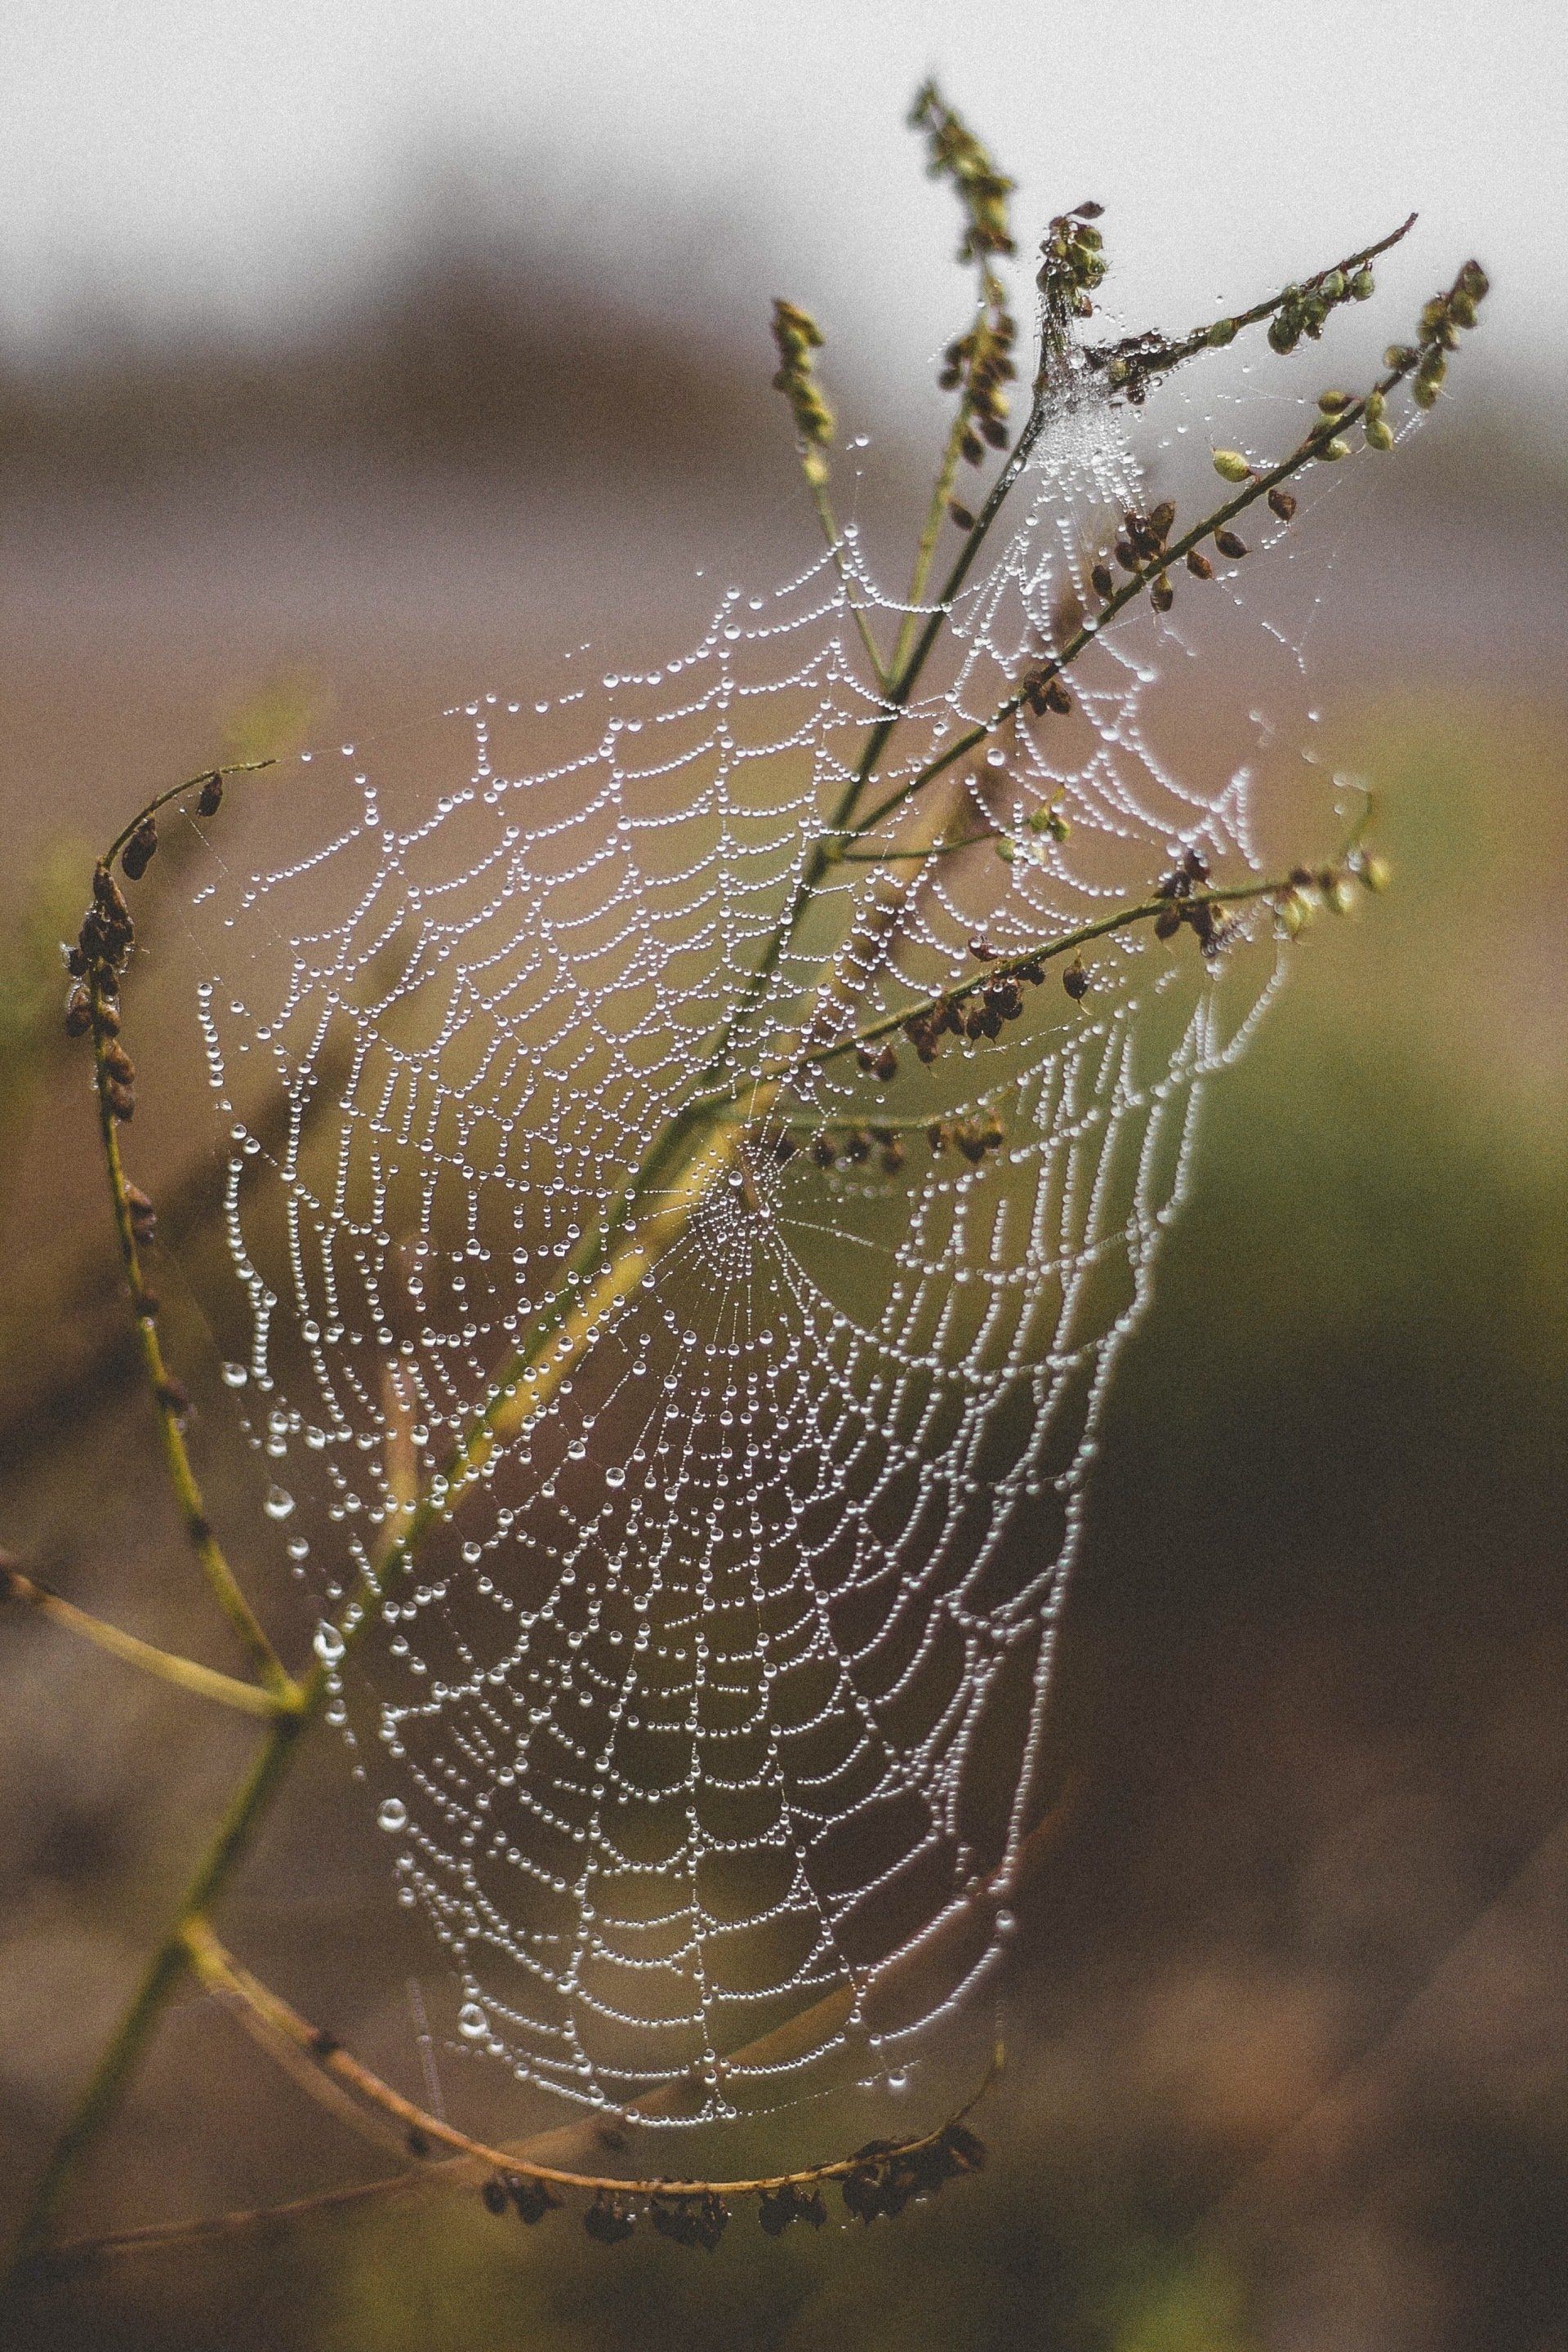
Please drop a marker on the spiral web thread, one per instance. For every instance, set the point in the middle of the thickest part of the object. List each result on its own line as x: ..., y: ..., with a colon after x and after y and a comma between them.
x: 726, y: 1687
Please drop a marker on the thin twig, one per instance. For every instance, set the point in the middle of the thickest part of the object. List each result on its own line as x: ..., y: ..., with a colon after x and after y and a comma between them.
x: 205, y: 1682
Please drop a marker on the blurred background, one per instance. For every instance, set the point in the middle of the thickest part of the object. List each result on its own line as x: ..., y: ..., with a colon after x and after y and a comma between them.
x: 348, y: 366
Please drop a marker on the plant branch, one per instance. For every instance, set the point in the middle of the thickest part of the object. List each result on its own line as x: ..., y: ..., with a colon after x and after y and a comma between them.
x: 1132, y: 364
x: 221, y: 1973
x: 203, y: 1681
x: 1139, y: 582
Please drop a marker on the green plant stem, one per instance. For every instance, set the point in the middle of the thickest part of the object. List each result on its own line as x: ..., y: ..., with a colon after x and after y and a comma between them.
x: 221, y: 1578
x: 203, y: 1681
x: 814, y: 467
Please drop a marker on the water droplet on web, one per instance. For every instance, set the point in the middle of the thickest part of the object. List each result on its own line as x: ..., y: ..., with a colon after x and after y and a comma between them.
x: 235, y: 1376
x: 392, y: 1814
x: 279, y: 1503
x: 328, y: 1643
x: 472, y: 2022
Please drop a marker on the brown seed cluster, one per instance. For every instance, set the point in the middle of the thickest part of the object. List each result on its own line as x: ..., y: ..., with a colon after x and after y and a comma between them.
x: 884, y: 2178
x: 982, y: 362
x: 1072, y: 265
x: 1210, y: 924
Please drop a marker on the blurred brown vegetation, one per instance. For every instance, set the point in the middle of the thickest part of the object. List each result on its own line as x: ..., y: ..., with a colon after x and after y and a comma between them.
x: 1287, y: 2060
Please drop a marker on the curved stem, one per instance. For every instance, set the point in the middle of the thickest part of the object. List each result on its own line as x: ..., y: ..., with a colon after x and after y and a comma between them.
x: 221, y: 1973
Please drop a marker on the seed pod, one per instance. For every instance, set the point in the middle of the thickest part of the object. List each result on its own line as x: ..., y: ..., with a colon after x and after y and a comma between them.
x: 1332, y: 451
x: 959, y: 515
x: 607, y: 2220
x: 1222, y: 332
x: 1056, y: 698
x: 938, y: 1138
x: 1340, y: 894
x: 1075, y: 979
x: 1199, y: 565
x: 1125, y: 557
x: 1102, y: 580
x: 1333, y: 403
x: 857, y: 1146
x: 1375, y: 872
x: 1162, y: 595
x: 981, y: 951
x: 79, y: 1012
x: 531, y: 2199
x: 1228, y: 544
x: 140, y: 850
x: 494, y: 2193
x: 970, y: 1141
x: 1363, y: 286
x: 1168, y: 922
x: 211, y: 799
x: 1379, y: 433
x: 886, y: 1065
x: 1282, y: 501
x: 1163, y: 515
x: 1231, y: 466
x: 824, y: 1152
x: 892, y: 1157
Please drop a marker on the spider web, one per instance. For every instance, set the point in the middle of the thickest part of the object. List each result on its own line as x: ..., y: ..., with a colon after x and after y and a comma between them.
x: 721, y: 1692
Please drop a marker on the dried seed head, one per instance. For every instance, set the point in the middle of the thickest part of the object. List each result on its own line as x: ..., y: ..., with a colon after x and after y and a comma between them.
x: 211, y: 799
x: 140, y: 850
x: 1075, y: 979
x: 1198, y: 564
x: 1283, y: 502
x: 1230, y: 545
x: 79, y: 1012
x: 1161, y: 595
x: 1102, y: 580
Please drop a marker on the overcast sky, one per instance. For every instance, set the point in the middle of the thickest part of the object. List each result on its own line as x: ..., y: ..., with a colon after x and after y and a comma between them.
x: 251, y: 155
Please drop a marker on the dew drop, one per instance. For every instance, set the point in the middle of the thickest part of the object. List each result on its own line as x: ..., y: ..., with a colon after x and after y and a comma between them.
x: 279, y: 1504
x: 394, y: 1815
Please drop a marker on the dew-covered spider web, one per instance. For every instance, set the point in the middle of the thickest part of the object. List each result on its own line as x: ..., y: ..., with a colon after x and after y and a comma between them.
x: 717, y: 1699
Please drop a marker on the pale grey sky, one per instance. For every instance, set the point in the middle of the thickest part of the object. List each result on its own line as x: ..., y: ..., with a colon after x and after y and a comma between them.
x: 245, y: 155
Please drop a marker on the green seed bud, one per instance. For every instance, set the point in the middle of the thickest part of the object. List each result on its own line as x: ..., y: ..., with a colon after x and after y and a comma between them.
x: 1223, y: 331
x: 1379, y: 435
x: 1283, y: 333
x: 1342, y: 894
x: 1231, y: 466
x: 1461, y: 310
x: 1330, y: 403
x: 1331, y: 452
x: 1375, y: 874
x: 1474, y: 281
x: 1007, y: 851
x: 1361, y: 287
x: 1400, y: 355
x: 1292, y: 912
x: 1374, y: 406
x: 1333, y: 286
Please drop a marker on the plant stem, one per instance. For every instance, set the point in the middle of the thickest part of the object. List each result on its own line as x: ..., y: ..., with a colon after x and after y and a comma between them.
x: 221, y: 1578
x: 205, y: 1682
